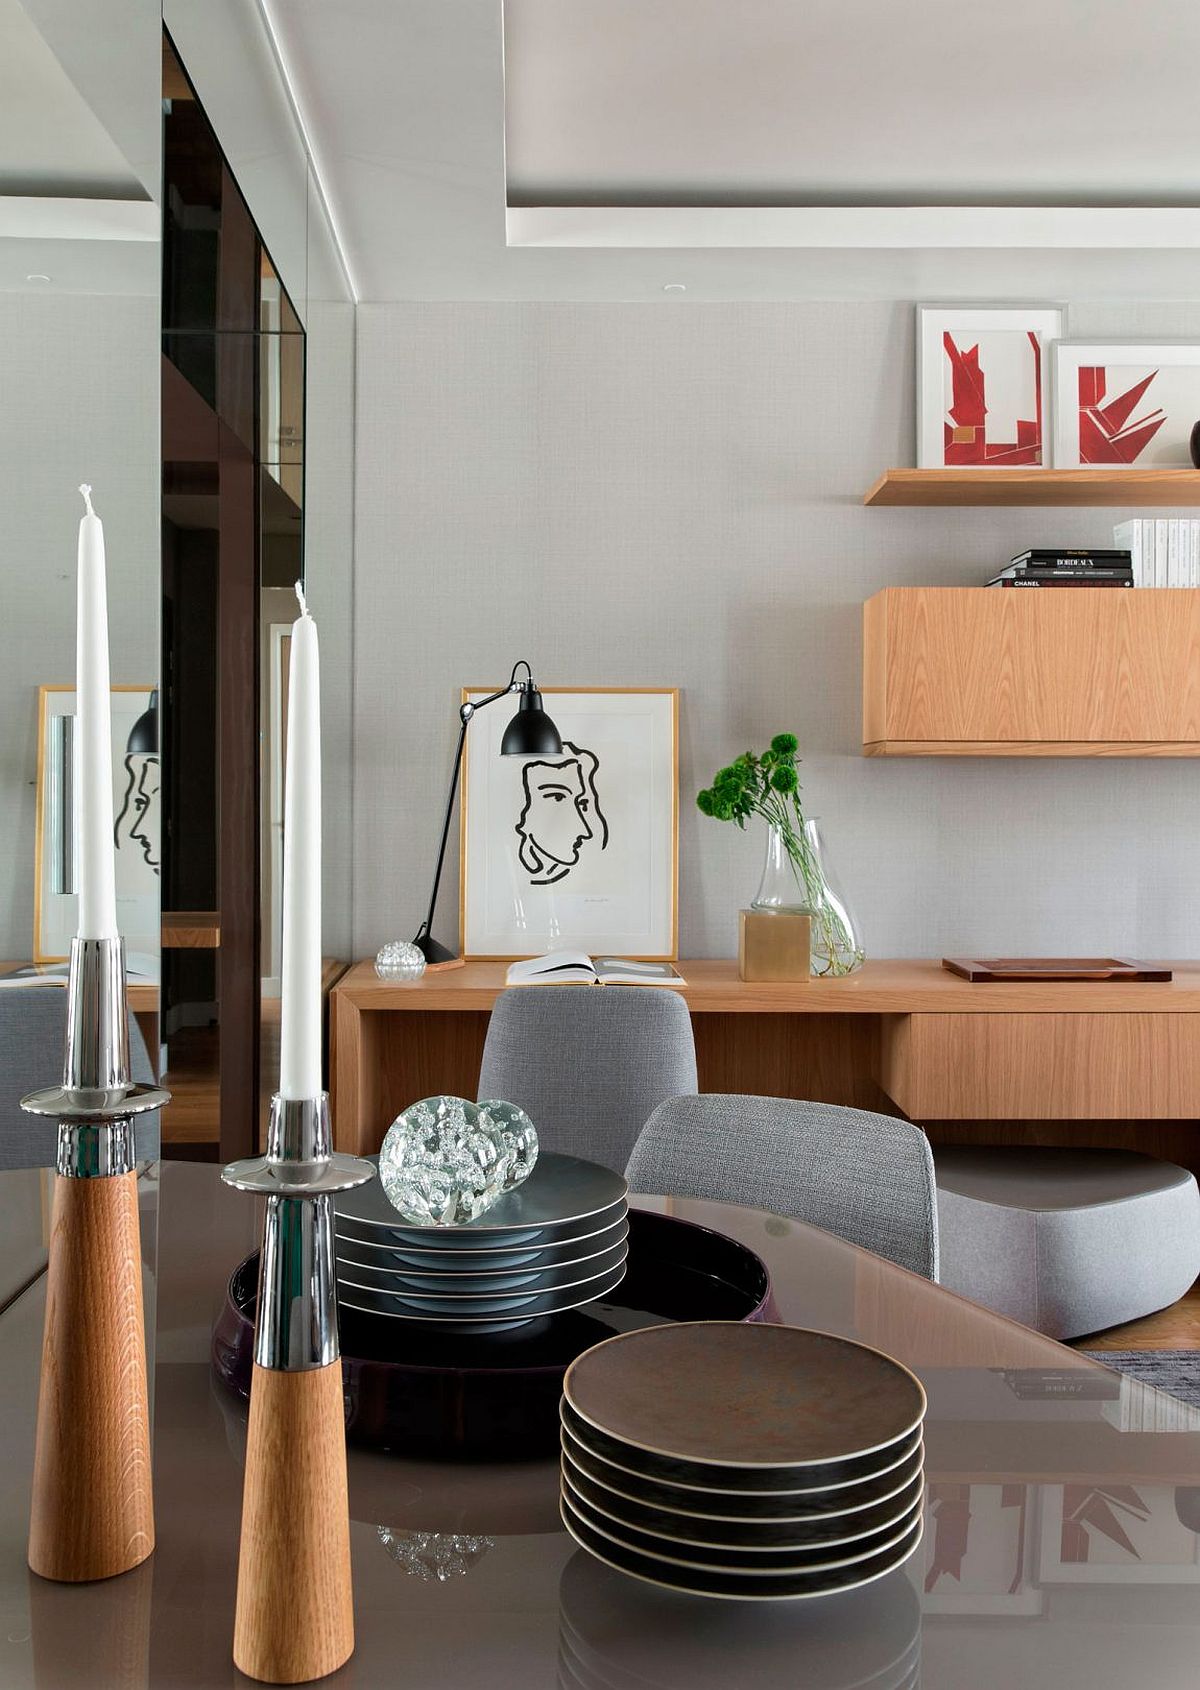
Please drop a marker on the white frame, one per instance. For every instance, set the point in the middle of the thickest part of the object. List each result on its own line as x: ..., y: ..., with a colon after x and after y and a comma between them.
x: 1069, y: 355
x: 553, y: 916
x: 1049, y: 320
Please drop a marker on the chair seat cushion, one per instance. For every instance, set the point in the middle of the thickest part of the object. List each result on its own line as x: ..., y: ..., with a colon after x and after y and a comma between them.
x: 1040, y: 1177
x: 1066, y: 1241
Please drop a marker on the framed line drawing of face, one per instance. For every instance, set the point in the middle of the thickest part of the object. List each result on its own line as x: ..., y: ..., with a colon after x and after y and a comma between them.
x: 136, y: 829
x: 577, y: 850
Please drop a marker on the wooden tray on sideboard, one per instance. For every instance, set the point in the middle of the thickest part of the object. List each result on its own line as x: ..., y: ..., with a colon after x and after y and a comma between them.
x: 1053, y: 968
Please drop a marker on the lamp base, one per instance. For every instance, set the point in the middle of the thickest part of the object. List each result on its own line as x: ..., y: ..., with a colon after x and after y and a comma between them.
x: 435, y: 953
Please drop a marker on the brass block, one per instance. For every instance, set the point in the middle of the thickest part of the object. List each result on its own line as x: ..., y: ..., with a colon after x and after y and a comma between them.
x: 774, y: 947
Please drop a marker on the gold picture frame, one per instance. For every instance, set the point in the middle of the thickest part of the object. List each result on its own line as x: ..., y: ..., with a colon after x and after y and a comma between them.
x: 551, y: 902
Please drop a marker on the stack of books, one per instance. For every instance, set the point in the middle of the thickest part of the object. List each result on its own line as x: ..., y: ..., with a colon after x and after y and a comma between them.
x: 1166, y: 551
x: 1059, y: 566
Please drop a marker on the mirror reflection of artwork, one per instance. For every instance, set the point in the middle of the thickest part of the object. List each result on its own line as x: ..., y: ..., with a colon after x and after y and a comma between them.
x: 136, y: 828
x: 580, y: 848
x: 136, y: 825
x: 561, y: 820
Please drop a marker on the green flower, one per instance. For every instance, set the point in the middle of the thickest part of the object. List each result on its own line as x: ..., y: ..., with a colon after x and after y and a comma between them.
x: 785, y: 745
x: 723, y: 807
x: 730, y: 780
x: 785, y: 778
x: 705, y: 802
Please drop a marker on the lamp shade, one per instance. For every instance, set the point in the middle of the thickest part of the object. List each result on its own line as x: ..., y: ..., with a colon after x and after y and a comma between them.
x: 531, y: 733
x: 143, y: 736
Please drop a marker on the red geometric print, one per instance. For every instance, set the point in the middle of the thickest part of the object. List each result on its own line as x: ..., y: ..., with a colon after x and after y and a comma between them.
x: 1106, y: 436
x: 964, y: 437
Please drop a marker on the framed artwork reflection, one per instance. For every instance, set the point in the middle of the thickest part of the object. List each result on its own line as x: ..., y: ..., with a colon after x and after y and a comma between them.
x: 136, y: 832
x: 980, y: 1550
x: 983, y: 384
x: 578, y: 850
x: 1125, y: 404
x: 1112, y: 1533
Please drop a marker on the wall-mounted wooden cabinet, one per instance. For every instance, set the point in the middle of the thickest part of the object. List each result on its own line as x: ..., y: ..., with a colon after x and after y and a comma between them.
x: 1048, y: 672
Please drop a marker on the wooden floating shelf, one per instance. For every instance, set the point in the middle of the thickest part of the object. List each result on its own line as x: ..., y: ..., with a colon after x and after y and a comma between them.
x: 191, y: 930
x: 1061, y: 672
x: 1036, y: 487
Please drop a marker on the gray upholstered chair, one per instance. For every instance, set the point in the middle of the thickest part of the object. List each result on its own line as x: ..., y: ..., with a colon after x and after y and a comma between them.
x: 867, y: 1178
x: 588, y: 1064
x: 1066, y: 1241
x: 32, y: 1024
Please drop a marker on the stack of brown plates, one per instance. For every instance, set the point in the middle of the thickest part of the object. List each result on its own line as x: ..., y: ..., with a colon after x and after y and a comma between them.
x: 555, y: 1243
x: 749, y: 1462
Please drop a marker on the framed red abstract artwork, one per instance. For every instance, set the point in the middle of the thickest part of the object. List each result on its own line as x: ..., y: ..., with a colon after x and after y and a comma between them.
x: 1125, y: 405
x: 982, y: 384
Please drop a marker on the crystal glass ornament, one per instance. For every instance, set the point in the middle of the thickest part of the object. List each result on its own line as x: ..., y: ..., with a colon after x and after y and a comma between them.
x: 400, y: 960
x: 445, y: 1161
x: 518, y: 1137
x: 434, y: 1556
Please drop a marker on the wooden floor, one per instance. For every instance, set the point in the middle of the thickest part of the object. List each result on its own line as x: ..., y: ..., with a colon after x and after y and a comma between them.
x: 1176, y: 1328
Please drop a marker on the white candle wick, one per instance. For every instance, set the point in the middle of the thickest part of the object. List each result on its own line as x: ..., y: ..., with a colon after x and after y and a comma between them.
x: 304, y: 610
x: 86, y: 490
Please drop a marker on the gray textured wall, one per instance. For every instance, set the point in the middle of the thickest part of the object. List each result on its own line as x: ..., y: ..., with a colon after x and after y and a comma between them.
x: 670, y: 494
x: 79, y: 379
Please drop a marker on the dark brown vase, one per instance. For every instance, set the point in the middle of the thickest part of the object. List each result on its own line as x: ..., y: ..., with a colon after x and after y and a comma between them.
x: 1194, y: 444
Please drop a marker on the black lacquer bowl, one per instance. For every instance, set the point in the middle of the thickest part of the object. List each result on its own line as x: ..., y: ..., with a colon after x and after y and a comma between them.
x: 496, y: 1397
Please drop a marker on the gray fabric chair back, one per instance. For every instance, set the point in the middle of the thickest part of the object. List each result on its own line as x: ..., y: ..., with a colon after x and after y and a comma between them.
x: 867, y: 1178
x: 33, y: 1023
x: 588, y: 1064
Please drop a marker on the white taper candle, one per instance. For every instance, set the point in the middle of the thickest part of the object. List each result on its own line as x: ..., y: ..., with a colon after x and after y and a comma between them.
x: 93, y: 736
x: 300, y: 1010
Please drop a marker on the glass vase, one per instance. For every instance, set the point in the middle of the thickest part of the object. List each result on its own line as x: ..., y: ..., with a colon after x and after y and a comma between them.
x: 795, y: 881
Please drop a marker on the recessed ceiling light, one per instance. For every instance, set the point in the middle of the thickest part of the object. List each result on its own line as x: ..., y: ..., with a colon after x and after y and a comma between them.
x: 674, y: 287
x: 37, y: 276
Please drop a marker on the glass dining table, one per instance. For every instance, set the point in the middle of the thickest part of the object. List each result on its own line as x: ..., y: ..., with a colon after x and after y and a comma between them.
x: 1061, y: 1548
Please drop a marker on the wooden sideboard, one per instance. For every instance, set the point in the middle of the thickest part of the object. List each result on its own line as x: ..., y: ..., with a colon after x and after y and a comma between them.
x: 1103, y: 1063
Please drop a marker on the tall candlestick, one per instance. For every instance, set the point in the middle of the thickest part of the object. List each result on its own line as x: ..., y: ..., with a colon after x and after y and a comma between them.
x: 300, y: 1010
x: 93, y: 731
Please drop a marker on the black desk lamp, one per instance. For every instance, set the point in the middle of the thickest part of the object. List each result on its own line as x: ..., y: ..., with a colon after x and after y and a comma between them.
x: 531, y: 733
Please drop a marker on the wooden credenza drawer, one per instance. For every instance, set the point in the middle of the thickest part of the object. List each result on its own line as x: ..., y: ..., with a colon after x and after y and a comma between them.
x: 1126, y: 1066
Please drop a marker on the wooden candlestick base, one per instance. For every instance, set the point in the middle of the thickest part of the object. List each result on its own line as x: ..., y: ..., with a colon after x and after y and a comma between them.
x: 295, y: 1618
x: 93, y: 1510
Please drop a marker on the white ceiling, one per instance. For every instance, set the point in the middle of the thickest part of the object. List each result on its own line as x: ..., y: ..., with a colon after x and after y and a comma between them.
x: 776, y: 102
x: 75, y: 216
x: 51, y: 142
x: 688, y: 101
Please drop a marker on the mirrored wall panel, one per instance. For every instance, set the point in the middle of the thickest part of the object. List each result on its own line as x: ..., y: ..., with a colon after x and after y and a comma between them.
x: 80, y: 263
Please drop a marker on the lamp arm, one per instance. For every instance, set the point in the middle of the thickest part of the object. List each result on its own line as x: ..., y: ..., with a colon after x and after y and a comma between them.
x: 426, y: 928
x: 465, y: 712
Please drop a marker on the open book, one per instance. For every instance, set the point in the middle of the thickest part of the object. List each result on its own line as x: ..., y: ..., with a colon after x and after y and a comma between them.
x: 573, y: 968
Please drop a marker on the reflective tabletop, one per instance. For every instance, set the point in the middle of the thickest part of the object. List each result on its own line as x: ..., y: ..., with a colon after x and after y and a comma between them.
x: 1061, y: 1544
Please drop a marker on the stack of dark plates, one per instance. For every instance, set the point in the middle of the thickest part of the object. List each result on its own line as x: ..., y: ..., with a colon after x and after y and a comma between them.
x: 555, y: 1243
x: 743, y: 1461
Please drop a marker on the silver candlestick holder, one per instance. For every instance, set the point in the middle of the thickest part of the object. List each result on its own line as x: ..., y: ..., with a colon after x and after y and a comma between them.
x: 294, y: 1619
x: 93, y: 1512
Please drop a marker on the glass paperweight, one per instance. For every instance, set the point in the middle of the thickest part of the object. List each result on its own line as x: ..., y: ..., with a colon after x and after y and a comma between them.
x: 518, y: 1137
x: 445, y: 1161
x: 399, y: 959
